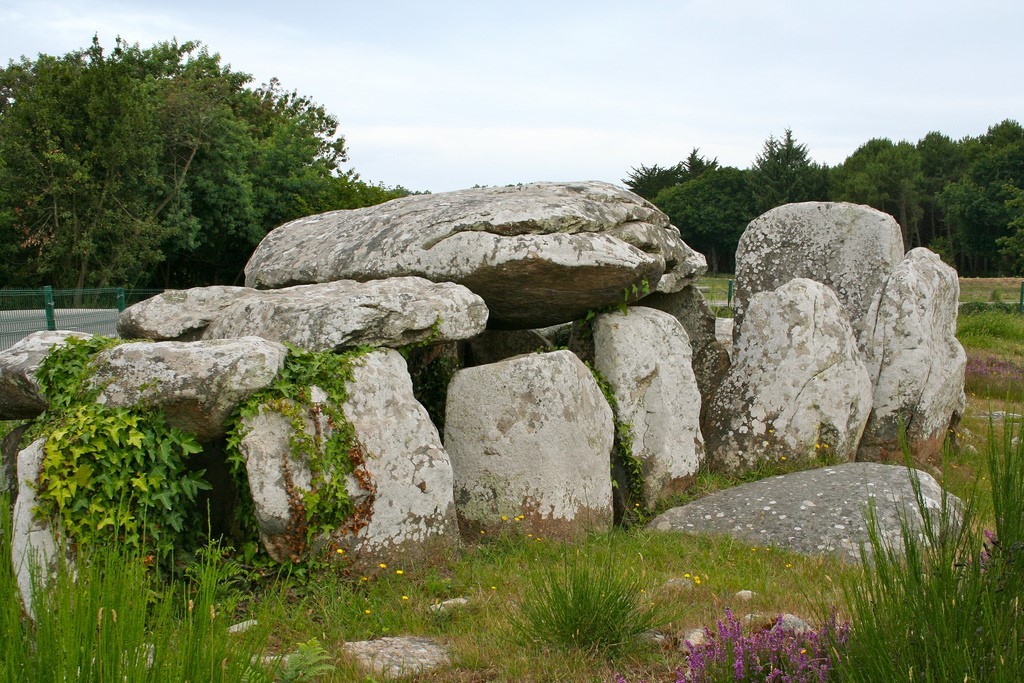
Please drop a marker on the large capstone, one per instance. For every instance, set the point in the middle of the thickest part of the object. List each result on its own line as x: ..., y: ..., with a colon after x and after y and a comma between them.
x: 538, y: 254
x: 645, y: 356
x: 197, y: 385
x: 343, y: 314
x: 797, y: 388
x: 530, y: 440
x: 914, y: 359
x: 178, y: 314
x: 402, y: 489
x: 849, y: 247
x: 331, y: 316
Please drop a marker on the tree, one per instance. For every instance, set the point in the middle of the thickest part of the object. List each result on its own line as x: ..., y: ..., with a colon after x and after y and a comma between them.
x: 117, y: 164
x: 648, y: 181
x: 80, y: 141
x: 980, y: 207
x: 783, y: 173
x: 888, y: 177
x: 711, y: 212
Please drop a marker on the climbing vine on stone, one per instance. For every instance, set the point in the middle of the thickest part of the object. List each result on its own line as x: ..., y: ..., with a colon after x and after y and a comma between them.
x: 322, y: 437
x: 634, y: 508
x: 111, y: 473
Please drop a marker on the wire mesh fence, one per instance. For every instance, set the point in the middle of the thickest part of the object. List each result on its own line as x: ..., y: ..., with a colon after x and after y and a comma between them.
x: 24, y: 311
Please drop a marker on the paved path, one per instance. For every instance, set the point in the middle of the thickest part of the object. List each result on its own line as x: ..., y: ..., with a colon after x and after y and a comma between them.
x: 14, y: 325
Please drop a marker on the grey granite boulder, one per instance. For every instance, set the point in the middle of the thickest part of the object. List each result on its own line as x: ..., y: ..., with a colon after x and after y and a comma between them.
x: 914, y: 358
x: 820, y: 511
x: 178, y: 315
x: 403, y: 487
x: 21, y: 397
x: 342, y: 314
x: 34, y: 548
x: 710, y: 355
x: 197, y: 385
x: 538, y: 254
x: 849, y: 247
x: 331, y: 316
x: 797, y: 387
x: 645, y: 356
x: 530, y: 438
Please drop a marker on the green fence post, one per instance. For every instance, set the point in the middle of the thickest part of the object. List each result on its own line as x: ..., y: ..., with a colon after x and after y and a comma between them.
x: 728, y: 298
x: 120, y: 298
x: 51, y: 322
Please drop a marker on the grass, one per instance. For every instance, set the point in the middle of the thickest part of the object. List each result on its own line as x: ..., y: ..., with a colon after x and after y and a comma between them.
x: 990, y: 289
x: 686, y: 582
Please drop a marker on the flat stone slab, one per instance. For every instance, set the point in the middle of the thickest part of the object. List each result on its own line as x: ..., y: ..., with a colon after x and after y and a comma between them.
x: 815, y: 512
x: 394, y: 657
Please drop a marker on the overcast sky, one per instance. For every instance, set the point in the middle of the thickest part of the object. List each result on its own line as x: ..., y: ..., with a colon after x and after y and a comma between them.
x: 441, y: 95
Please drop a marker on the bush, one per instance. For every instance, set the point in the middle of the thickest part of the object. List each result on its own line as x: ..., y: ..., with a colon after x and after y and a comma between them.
x: 584, y: 605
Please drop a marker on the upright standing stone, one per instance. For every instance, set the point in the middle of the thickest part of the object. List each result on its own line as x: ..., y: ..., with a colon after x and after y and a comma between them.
x: 710, y: 356
x: 530, y: 438
x: 645, y: 356
x: 849, y: 247
x: 914, y: 359
x: 403, y: 486
x: 34, y: 549
x: 797, y: 388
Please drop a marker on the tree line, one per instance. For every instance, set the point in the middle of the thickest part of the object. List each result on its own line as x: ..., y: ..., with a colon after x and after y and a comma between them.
x: 156, y: 167
x: 162, y: 167
x: 963, y: 199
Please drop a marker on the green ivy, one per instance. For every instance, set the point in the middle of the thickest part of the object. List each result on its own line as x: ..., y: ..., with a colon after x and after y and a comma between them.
x: 110, y: 473
x: 623, y: 455
x: 326, y: 506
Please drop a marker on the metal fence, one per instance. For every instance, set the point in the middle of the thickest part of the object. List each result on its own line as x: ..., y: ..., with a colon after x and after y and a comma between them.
x: 24, y: 311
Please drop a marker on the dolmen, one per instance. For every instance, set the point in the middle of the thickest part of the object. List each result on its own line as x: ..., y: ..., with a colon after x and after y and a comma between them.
x: 576, y: 363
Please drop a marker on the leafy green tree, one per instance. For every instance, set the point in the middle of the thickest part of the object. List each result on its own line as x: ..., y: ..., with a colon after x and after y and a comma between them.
x: 888, y: 177
x: 711, y: 212
x: 156, y: 166
x: 943, y: 161
x: 784, y: 173
x: 1012, y: 245
x: 980, y: 207
x: 80, y: 141
x: 648, y: 181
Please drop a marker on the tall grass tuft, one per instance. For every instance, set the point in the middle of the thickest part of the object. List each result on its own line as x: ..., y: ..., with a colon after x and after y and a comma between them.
x: 585, y: 604
x: 108, y: 619
x: 947, y: 608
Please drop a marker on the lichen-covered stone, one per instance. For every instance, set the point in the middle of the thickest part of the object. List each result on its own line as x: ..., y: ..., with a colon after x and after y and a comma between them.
x: 849, y: 247
x: 343, y: 314
x: 815, y: 512
x: 710, y: 356
x: 34, y: 549
x: 407, y: 487
x: 797, y: 387
x: 914, y: 358
x: 645, y: 356
x: 530, y: 438
x: 178, y: 314
x: 197, y: 385
x: 538, y: 254
x: 21, y: 397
